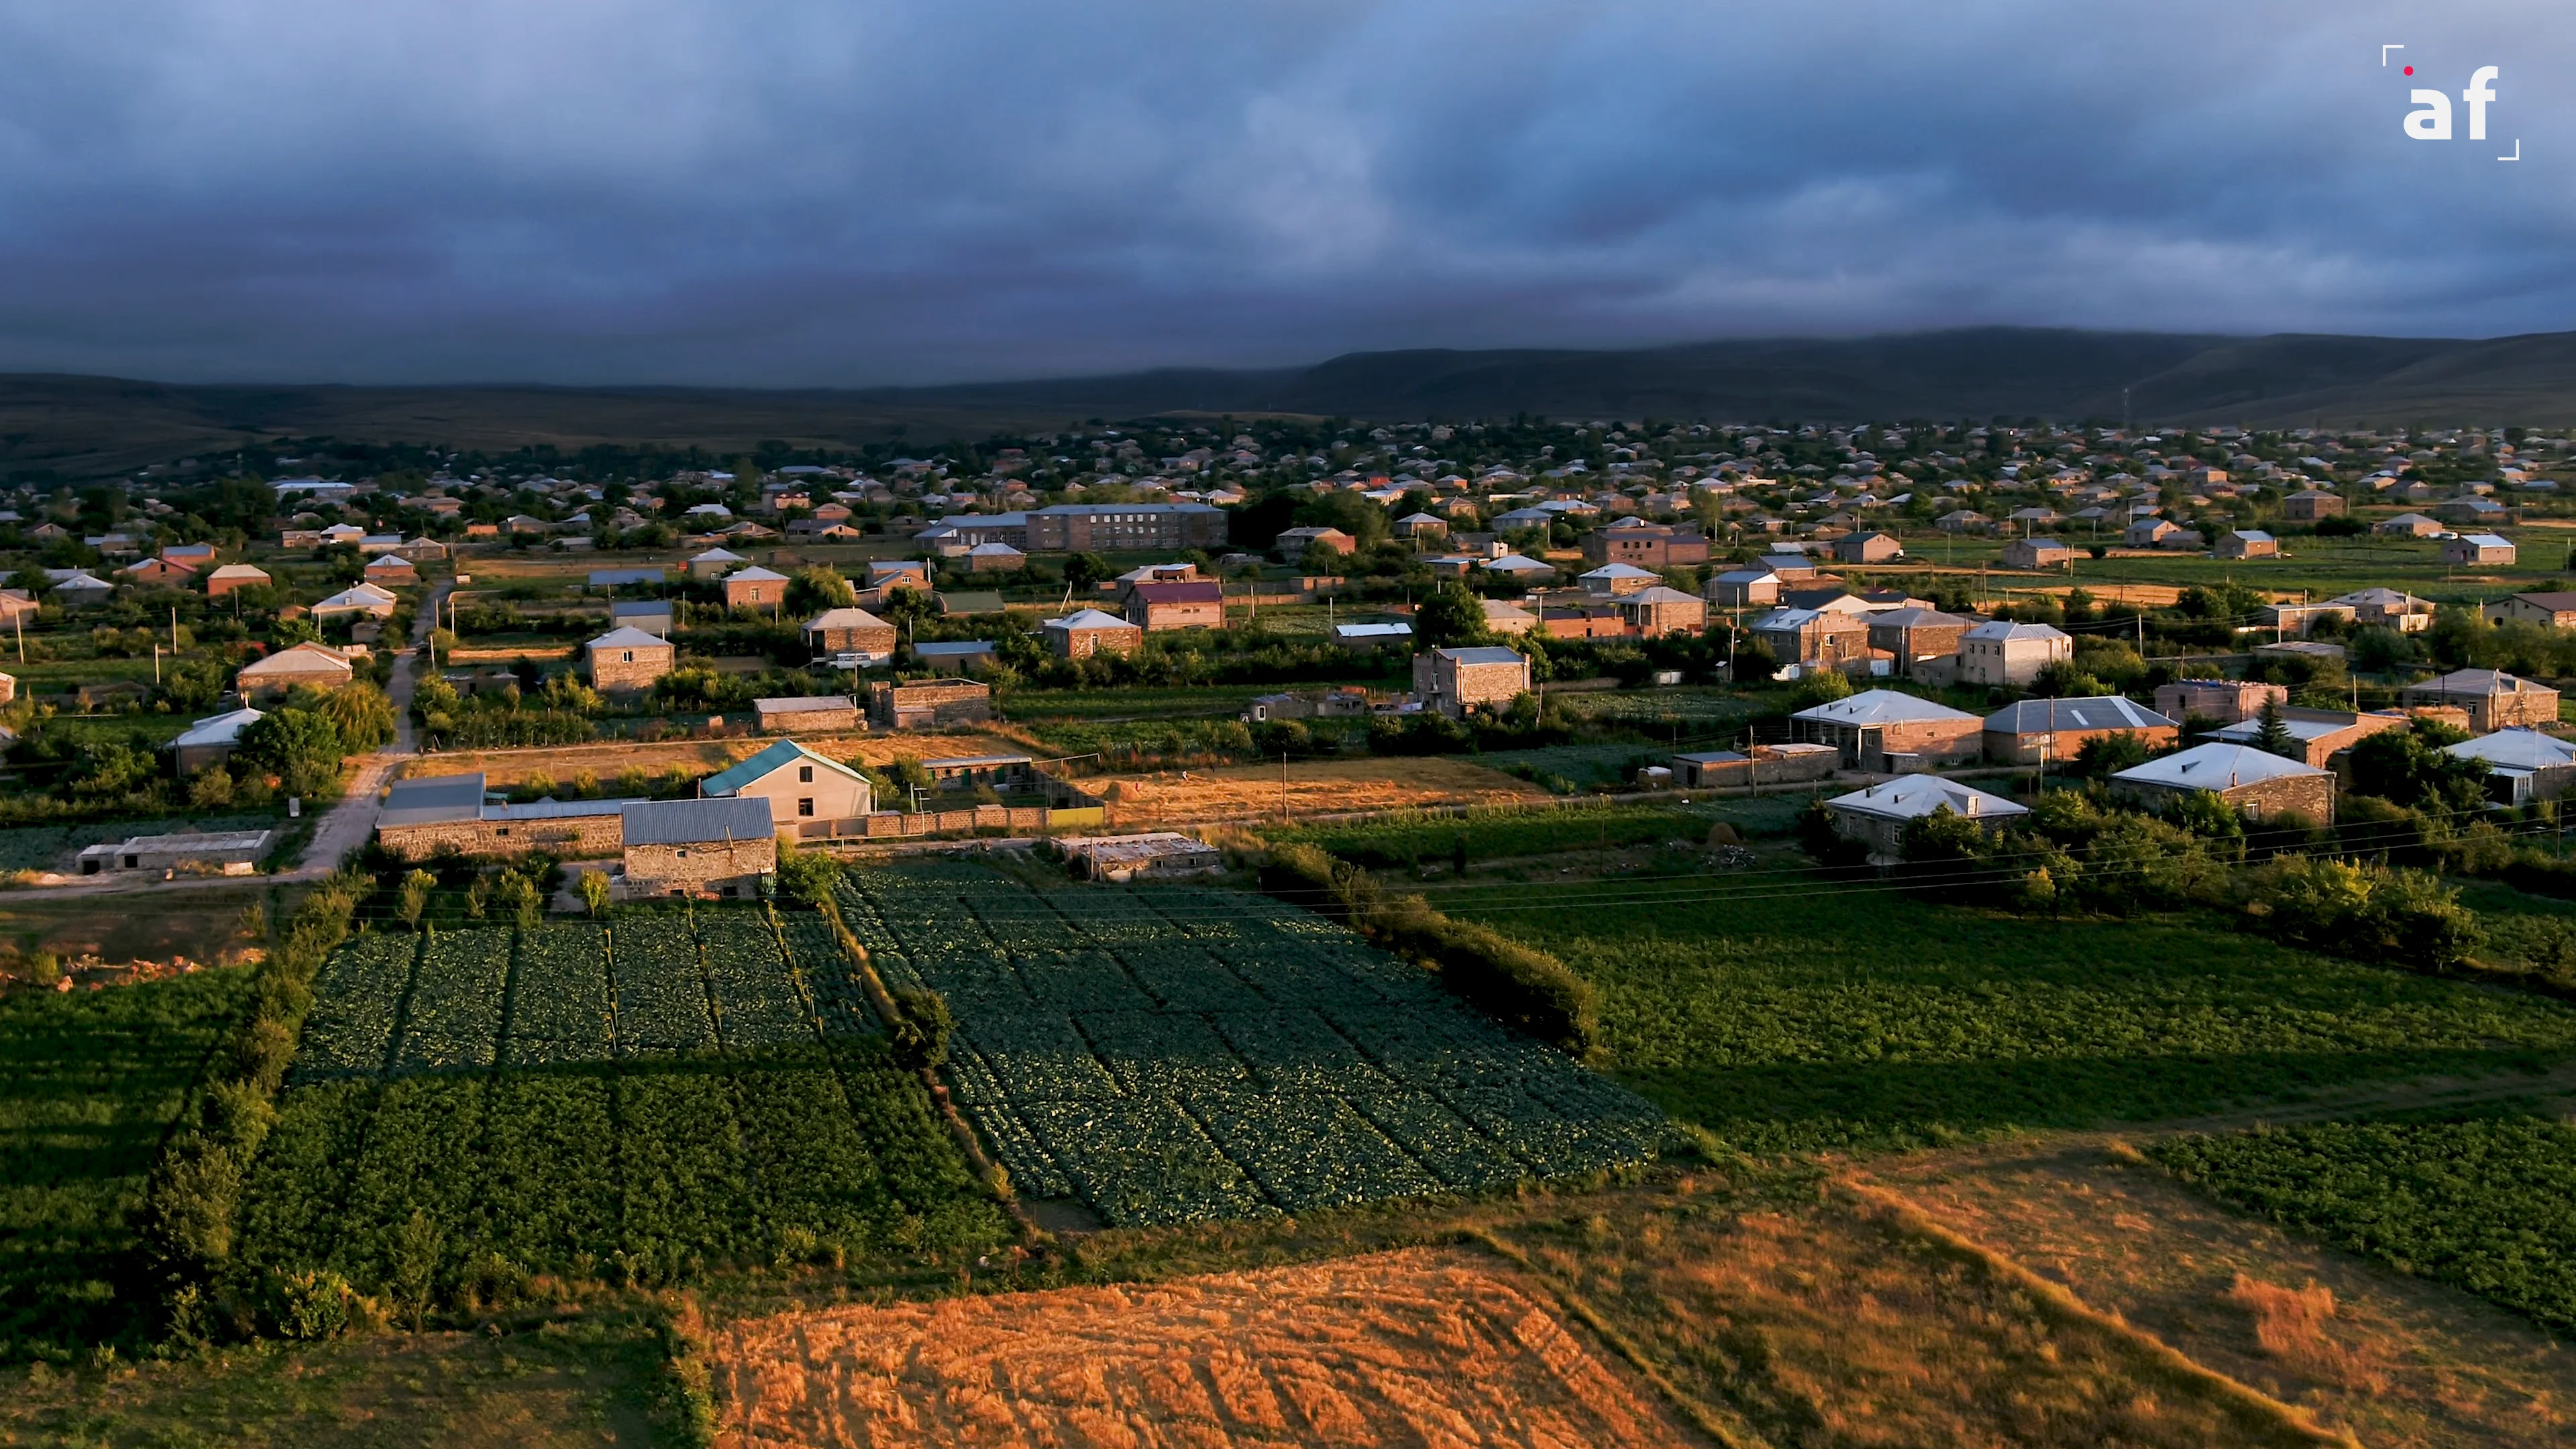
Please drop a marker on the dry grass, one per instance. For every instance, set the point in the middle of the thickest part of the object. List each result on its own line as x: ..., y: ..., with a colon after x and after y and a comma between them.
x: 1315, y: 787
x: 2396, y: 1361
x: 1419, y: 1346
x: 561, y: 763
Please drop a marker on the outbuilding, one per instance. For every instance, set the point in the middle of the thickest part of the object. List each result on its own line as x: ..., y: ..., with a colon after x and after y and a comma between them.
x: 720, y: 848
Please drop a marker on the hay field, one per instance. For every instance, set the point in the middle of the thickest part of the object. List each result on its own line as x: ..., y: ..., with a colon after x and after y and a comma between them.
x: 2396, y: 1361
x: 1418, y: 1346
x: 1314, y: 787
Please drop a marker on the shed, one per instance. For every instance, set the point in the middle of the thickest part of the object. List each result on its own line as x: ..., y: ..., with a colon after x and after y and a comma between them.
x: 720, y: 847
x: 807, y: 712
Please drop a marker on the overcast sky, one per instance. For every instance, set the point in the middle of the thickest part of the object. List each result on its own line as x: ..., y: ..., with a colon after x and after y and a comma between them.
x: 841, y: 192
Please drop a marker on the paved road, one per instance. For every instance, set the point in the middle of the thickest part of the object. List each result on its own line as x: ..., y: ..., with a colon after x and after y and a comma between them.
x: 343, y: 829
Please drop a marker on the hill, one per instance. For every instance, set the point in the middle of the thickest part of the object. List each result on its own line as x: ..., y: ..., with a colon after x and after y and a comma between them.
x: 90, y: 425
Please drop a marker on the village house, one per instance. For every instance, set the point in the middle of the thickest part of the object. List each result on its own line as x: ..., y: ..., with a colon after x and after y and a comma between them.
x: 887, y: 575
x: 1421, y: 526
x: 626, y: 661
x: 1645, y: 545
x: 714, y: 563
x: 1886, y: 732
x: 356, y: 601
x: 2478, y: 548
x: 956, y: 656
x: 317, y: 666
x: 761, y: 589
x: 2522, y: 765
x: 2492, y: 699
x: 157, y: 571
x: 799, y: 784
x: 1911, y: 636
x: 2004, y: 652
x: 2223, y: 700
x: 1876, y: 817
x: 718, y: 848
x: 1657, y: 612
x: 1824, y: 637
x: 2321, y: 734
x: 2055, y: 731
x: 929, y: 704
x: 1508, y: 619
x: 995, y: 558
x: 1738, y: 588
x: 1086, y: 632
x: 390, y: 571
x: 853, y: 634
x: 235, y: 576
x: 2258, y: 785
x: 211, y: 741
x: 2037, y: 553
x: 2310, y: 504
x: 2549, y: 610
x: 811, y: 713
x: 74, y: 589
x: 1157, y: 606
x: 424, y: 816
x: 1755, y: 766
x: 1294, y: 543
x: 2244, y: 543
x: 2408, y: 525
x: 1867, y: 548
x: 653, y: 616
x: 1520, y: 569
x: 1455, y: 681
x: 1612, y: 580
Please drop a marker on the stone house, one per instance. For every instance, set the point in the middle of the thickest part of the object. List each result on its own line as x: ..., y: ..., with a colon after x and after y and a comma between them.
x: 2247, y: 543
x: 2478, y: 548
x: 2261, y: 786
x: 2321, y: 734
x: 316, y: 665
x: 2011, y: 654
x: 235, y: 576
x: 929, y: 704
x: 2055, y: 731
x: 1877, y: 816
x: 421, y: 817
x: 1884, y: 731
x: 1812, y: 636
x: 2522, y: 765
x: 1645, y: 545
x: 627, y: 660
x: 1192, y: 605
x: 2310, y: 504
x: 2548, y: 610
x: 1293, y: 543
x: 1612, y: 580
x: 719, y: 848
x: 1912, y: 634
x: 811, y: 712
x: 2493, y: 699
x: 1455, y: 681
x: 1867, y: 548
x: 2037, y: 553
x: 756, y: 588
x: 1656, y: 612
x: 1086, y: 632
x: 211, y: 741
x: 713, y: 563
x: 836, y: 632
x: 2223, y: 700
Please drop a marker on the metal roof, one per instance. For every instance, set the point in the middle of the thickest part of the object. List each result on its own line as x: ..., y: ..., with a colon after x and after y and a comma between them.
x: 222, y: 729
x: 1879, y: 706
x: 609, y: 578
x: 953, y: 649
x: 1912, y: 797
x: 802, y: 703
x: 628, y: 637
x: 2215, y: 767
x: 436, y: 800
x: 1482, y: 654
x: 1089, y: 619
x: 2100, y: 712
x: 640, y: 609
x: 2009, y: 629
x: 697, y: 822
x: 556, y: 809
x: 742, y: 774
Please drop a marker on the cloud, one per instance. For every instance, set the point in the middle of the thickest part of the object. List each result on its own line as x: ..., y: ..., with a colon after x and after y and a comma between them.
x: 802, y: 192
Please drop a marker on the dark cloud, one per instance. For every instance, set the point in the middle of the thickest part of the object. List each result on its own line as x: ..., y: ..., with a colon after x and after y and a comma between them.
x: 795, y: 191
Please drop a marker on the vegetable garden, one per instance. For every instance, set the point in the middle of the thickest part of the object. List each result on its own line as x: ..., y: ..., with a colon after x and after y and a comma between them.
x: 639, y: 1103
x: 1182, y: 1054
x: 2488, y: 1205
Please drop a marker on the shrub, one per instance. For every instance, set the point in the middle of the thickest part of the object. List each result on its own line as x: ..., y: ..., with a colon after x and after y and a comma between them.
x: 921, y: 1026
x: 2369, y: 912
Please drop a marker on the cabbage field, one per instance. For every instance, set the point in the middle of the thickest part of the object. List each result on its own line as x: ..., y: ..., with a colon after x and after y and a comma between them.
x: 639, y: 1103
x: 1176, y: 1054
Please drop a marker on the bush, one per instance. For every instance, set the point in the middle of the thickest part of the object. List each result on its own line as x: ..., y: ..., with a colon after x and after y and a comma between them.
x: 2368, y: 912
x: 921, y: 1026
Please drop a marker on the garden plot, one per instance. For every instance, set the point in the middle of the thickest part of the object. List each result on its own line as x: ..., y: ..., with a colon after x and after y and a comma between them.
x: 1174, y: 1055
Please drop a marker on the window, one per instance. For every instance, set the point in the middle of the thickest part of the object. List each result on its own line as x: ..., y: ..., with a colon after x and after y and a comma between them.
x: 682, y: 852
x: 805, y: 806
x: 629, y: 658
x: 804, y: 774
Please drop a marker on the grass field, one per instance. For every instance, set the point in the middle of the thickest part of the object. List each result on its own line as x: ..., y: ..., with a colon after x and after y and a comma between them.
x: 2487, y: 1204
x: 1494, y: 832
x: 1305, y: 788
x: 91, y: 1080
x: 1173, y: 1054
x: 646, y: 1104
x: 1793, y: 1015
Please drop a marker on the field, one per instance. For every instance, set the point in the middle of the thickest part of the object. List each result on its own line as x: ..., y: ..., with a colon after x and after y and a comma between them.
x: 2403, y: 1363
x: 1312, y: 787
x: 640, y: 1104
x: 1413, y: 1347
x: 504, y: 768
x: 1173, y: 1055
x: 94, y: 1077
x: 2487, y: 1204
x: 1497, y: 832
x: 1787, y: 1014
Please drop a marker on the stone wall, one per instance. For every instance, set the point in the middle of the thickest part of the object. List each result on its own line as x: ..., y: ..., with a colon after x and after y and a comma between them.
x: 2310, y: 795
x: 611, y: 671
x: 575, y: 837
x: 701, y: 869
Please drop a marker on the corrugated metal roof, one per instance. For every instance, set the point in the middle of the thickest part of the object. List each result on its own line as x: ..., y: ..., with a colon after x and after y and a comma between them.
x: 2102, y: 712
x: 735, y: 778
x: 556, y: 809
x: 697, y: 822
x: 2215, y: 767
x: 437, y: 800
x: 628, y: 637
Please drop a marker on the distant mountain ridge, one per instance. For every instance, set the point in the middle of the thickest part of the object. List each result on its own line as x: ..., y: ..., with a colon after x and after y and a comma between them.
x: 84, y: 425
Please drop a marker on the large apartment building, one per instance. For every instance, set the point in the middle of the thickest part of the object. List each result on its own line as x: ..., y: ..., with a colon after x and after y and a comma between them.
x: 1089, y: 528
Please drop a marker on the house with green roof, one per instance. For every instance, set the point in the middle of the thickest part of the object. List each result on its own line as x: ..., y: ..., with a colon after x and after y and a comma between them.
x: 800, y: 785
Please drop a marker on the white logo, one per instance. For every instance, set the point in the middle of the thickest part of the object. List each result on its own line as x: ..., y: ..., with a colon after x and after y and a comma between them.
x: 2431, y: 121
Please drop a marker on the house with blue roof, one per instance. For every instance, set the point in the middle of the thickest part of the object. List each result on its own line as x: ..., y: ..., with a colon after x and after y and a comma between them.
x: 800, y: 785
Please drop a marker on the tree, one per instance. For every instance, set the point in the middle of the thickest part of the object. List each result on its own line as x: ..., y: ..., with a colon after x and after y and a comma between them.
x: 1820, y: 686
x: 2273, y: 737
x: 919, y: 1032
x: 1451, y: 617
x: 818, y: 588
x: 2379, y: 649
x: 300, y: 747
x: 2062, y: 679
x: 2108, y: 754
x: 2409, y: 767
x: 362, y: 715
x: 1943, y: 837
x: 1084, y: 571
x: 414, y: 897
x: 1364, y: 521
x: 594, y: 892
